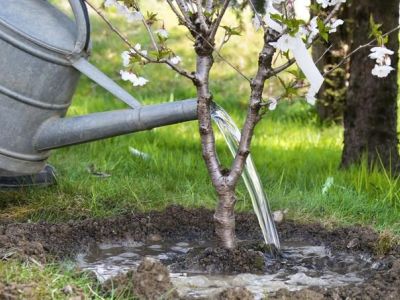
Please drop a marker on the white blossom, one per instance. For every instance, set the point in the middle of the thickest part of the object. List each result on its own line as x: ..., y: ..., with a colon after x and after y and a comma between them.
x: 334, y: 2
x: 134, y: 16
x: 326, y: 3
x: 127, y: 76
x: 131, y: 16
x: 381, y: 71
x: 162, y: 33
x: 313, y: 28
x: 176, y: 60
x: 272, y: 104
x: 138, y: 48
x: 335, y: 24
x: 141, y: 81
x: 133, y: 78
x: 126, y: 57
x: 380, y: 54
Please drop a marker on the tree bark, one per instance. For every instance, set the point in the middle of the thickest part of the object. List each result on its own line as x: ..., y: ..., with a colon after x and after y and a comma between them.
x: 332, y: 95
x: 224, y: 218
x: 370, y: 114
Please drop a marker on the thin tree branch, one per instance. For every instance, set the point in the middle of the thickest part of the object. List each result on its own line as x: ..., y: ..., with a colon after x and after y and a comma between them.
x: 202, y: 18
x: 223, y: 58
x: 253, y: 116
x: 181, y: 71
x: 184, y: 10
x: 369, y: 44
x: 217, y: 22
x: 256, y: 15
x: 153, y: 41
x: 323, y: 54
x: 181, y: 18
x: 300, y: 84
x: 176, y: 12
x: 209, y: 5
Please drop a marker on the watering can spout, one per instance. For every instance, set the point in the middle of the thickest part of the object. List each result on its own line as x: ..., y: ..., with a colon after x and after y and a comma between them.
x: 60, y: 132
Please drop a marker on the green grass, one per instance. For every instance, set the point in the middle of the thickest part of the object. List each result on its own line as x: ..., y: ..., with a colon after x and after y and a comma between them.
x: 35, y: 281
x: 293, y: 153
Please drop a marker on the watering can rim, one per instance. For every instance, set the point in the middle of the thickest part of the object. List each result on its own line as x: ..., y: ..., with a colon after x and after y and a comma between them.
x: 74, y: 41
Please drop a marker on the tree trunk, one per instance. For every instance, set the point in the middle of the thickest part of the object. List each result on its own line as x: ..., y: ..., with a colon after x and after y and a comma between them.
x: 332, y: 96
x: 370, y: 115
x: 224, y: 218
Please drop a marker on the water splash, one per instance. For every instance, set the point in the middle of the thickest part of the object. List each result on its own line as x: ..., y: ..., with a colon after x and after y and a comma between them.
x: 250, y: 176
x: 300, y: 266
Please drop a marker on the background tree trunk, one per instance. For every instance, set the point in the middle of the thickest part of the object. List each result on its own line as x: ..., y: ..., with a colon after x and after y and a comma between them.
x: 332, y: 96
x: 370, y: 114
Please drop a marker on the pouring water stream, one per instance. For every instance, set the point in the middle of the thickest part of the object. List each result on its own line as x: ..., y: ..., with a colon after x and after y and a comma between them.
x: 231, y: 134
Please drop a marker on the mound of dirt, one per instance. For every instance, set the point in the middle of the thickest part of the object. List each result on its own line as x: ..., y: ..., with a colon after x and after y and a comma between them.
x: 17, y: 291
x: 151, y: 281
x: 246, y: 258
x: 238, y: 293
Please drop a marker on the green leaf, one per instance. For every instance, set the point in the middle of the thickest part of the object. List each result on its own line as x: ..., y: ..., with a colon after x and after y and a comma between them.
x: 232, y: 30
x: 323, y: 30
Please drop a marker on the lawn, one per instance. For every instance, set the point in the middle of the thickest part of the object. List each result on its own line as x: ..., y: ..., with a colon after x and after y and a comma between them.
x: 294, y: 154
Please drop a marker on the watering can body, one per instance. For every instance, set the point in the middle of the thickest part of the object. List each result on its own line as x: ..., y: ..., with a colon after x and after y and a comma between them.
x: 43, y: 53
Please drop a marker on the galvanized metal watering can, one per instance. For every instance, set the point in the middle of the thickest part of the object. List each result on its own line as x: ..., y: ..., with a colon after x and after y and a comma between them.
x: 42, y: 54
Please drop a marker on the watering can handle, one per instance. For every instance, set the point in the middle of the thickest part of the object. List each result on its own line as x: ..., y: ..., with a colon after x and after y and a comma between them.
x: 83, y: 24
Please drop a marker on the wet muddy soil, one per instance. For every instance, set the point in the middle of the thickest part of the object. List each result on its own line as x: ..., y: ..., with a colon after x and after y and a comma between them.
x: 43, y: 242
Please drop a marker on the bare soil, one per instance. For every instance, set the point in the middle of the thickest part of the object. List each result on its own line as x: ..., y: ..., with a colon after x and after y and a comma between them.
x: 45, y: 242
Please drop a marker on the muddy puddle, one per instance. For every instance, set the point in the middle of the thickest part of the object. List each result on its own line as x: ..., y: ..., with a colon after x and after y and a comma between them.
x: 300, y: 266
x: 317, y: 262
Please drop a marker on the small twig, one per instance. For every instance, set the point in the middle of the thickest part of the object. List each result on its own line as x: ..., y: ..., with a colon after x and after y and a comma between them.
x: 132, y: 48
x: 225, y: 39
x: 202, y: 18
x: 184, y: 10
x: 348, y: 56
x: 221, y: 57
x: 178, y: 14
x: 184, y: 73
x: 233, y: 66
x: 217, y: 22
x: 333, y: 12
x: 209, y: 5
x: 153, y: 41
x: 256, y: 15
x: 323, y: 54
